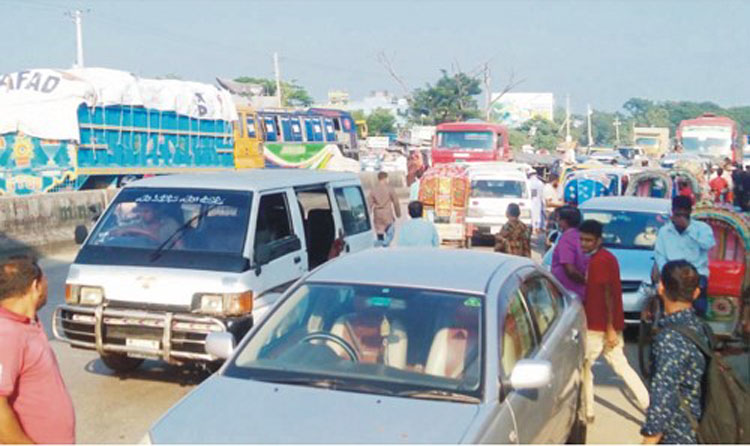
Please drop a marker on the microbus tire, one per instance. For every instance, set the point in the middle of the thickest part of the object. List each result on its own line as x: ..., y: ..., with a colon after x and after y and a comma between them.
x: 120, y: 363
x: 579, y: 429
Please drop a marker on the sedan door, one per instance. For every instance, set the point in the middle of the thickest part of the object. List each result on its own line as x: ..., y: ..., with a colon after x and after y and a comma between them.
x: 560, y: 331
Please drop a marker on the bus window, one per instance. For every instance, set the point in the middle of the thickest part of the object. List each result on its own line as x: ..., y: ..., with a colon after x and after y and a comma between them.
x: 286, y: 129
x: 337, y: 124
x: 271, y: 134
x: 251, y: 127
x: 296, y: 129
x: 330, y: 133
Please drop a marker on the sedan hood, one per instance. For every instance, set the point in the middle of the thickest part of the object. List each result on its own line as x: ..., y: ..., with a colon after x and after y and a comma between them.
x: 635, y: 264
x: 233, y: 410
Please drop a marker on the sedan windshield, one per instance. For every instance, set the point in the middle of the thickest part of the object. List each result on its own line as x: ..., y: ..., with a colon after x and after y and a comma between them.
x: 497, y: 189
x: 393, y: 341
x: 628, y: 230
x: 465, y: 140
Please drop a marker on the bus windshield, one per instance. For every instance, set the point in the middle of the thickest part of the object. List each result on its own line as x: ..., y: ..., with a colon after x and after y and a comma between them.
x: 465, y: 140
x: 709, y: 146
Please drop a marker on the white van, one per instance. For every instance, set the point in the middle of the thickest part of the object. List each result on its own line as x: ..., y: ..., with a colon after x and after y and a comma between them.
x: 176, y: 257
x: 492, y: 190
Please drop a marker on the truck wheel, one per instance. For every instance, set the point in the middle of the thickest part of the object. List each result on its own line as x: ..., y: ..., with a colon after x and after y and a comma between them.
x: 120, y: 363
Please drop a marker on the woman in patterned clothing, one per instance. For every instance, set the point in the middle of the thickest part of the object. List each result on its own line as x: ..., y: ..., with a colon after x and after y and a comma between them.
x: 514, y: 238
x: 678, y: 364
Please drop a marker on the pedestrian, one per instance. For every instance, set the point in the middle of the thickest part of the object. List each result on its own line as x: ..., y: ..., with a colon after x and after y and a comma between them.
x: 514, y: 237
x: 418, y: 231
x: 684, y: 190
x: 677, y: 365
x: 719, y: 186
x: 385, y: 209
x: 569, y: 263
x: 685, y: 239
x: 536, y: 187
x: 605, y: 319
x: 414, y: 187
x: 35, y: 406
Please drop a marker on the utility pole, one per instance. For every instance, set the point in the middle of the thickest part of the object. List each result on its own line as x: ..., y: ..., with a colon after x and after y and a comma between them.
x: 588, y: 114
x: 76, y: 16
x: 488, y: 94
x: 278, y: 77
x: 617, y: 124
x: 568, y: 139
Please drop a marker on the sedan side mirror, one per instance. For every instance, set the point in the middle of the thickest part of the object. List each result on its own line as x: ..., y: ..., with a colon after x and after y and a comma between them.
x: 530, y: 374
x: 220, y: 344
x: 80, y: 234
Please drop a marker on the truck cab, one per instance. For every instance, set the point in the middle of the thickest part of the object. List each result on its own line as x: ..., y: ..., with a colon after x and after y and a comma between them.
x: 174, y: 258
x: 458, y: 142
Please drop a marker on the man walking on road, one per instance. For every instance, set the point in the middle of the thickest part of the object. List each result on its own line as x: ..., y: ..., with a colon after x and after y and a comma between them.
x: 678, y: 365
x: 536, y: 187
x: 686, y: 239
x: 569, y: 262
x: 418, y: 231
x: 384, y: 203
x: 605, y: 318
x: 35, y: 406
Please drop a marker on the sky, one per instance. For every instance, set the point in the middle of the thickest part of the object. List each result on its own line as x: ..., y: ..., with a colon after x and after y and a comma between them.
x: 599, y: 52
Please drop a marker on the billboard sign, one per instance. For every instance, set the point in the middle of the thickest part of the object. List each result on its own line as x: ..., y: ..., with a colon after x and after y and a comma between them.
x: 513, y: 109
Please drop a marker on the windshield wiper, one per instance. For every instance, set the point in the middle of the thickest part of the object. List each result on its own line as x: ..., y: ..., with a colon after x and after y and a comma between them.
x: 325, y: 382
x: 170, y: 241
x: 440, y: 395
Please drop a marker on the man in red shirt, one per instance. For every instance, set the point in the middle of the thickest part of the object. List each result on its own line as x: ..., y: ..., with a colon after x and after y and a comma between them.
x: 35, y: 406
x: 719, y: 187
x: 605, y: 318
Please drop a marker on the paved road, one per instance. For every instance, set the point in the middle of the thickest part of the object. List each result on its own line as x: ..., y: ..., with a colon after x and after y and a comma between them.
x: 110, y: 409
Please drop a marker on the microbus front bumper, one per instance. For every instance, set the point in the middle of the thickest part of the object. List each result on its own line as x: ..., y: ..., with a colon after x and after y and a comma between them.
x: 172, y: 337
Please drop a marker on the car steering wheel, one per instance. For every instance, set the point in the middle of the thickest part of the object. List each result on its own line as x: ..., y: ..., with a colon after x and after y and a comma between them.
x: 132, y: 232
x: 336, y: 340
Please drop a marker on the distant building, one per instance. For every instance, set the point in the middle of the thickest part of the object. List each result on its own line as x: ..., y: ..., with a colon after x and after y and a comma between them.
x: 513, y: 109
x: 338, y: 98
x: 376, y: 99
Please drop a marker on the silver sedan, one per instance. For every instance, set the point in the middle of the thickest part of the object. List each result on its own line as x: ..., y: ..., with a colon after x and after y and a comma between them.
x: 399, y: 346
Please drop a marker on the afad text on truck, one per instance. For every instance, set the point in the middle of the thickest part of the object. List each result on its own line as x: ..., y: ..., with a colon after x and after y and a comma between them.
x: 458, y: 142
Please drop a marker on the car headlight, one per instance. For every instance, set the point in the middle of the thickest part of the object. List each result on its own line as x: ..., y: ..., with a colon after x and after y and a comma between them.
x: 84, y: 294
x: 225, y: 304
x: 525, y: 213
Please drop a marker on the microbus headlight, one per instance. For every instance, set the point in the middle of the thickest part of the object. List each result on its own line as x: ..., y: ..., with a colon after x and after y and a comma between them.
x: 475, y: 212
x: 225, y: 304
x: 525, y: 213
x: 84, y: 295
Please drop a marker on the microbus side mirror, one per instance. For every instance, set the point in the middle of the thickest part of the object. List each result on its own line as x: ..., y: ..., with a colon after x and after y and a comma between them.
x: 80, y: 234
x: 220, y: 344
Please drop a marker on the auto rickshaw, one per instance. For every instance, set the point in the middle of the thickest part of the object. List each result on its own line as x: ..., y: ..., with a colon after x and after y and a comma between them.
x: 728, y: 312
x: 582, y: 185
x: 444, y: 192
x: 655, y: 183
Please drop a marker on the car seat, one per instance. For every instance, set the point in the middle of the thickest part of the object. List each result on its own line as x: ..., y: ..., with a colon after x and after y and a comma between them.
x: 376, y: 335
x: 319, y: 236
x: 453, y: 346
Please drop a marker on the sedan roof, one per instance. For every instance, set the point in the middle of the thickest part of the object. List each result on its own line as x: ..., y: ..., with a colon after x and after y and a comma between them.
x: 629, y: 204
x: 430, y: 268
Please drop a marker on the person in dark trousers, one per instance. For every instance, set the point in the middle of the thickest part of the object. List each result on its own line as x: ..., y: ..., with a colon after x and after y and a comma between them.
x: 35, y: 406
x: 678, y: 365
x: 686, y: 239
x: 605, y: 319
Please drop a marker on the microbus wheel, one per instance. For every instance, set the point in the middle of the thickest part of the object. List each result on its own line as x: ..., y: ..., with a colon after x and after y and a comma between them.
x: 579, y: 429
x: 120, y: 363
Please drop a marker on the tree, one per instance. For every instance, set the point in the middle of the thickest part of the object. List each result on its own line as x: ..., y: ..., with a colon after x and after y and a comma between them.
x: 452, y: 98
x: 292, y: 94
x: 380, y: 122
x: 542, y: 133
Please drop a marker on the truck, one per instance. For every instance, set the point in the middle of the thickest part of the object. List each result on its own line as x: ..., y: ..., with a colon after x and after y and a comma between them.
x: 470, y: 141
x: 92, y: 128
x: 653, y: 140
x: 711, y: 137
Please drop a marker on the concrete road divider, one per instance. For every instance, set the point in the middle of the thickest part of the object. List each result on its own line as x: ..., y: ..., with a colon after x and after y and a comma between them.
x: 46, y: 221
